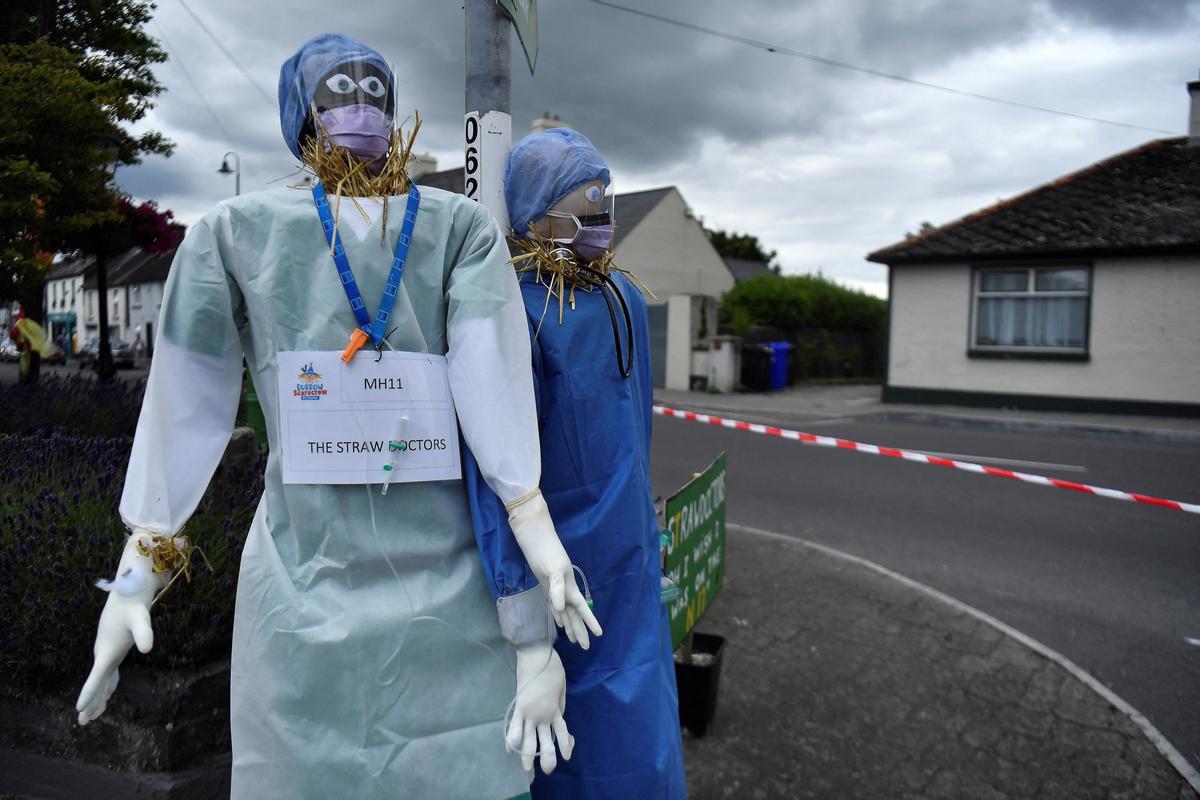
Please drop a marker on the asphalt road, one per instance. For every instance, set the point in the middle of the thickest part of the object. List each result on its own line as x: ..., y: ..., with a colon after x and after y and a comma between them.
x: 1113, y: 586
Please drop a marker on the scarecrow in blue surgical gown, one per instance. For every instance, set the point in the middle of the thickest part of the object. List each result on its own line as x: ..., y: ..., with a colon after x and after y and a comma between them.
x: 591, y: 374
x: 368, y: 658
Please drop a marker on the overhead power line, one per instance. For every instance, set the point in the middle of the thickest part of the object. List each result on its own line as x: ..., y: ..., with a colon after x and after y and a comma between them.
x: 173, y: 52
x: 232, y: 60
x: 196, y: 87
x: 833, y: 62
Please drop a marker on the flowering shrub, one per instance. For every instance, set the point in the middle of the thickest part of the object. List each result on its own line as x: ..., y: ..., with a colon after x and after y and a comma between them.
x: 60, y: 531
x: 149, y: 227
x: 126, y: 225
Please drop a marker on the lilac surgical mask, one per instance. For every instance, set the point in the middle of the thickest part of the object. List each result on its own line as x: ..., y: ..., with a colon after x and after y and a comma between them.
x: 588, y: 241
x: 363, y: 130
x: 592, y: 242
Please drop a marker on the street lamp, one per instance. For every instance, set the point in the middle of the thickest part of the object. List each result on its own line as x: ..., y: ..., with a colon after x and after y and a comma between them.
x: 236, y: 171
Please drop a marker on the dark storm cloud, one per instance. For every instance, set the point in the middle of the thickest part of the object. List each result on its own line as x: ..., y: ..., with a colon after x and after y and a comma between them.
x: 1125, y: 14
x: 649, y: 92
x: 825, y: 163
x: 214, y: 104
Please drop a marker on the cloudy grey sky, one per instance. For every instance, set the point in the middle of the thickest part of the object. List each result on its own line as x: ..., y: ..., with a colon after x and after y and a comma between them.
x: 823, y: 164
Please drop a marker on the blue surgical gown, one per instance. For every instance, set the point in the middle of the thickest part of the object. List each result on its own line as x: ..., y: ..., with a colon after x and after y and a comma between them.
x: 622, y: 706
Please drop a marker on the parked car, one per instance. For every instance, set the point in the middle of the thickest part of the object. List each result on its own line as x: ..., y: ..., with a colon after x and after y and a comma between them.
x: 8, y: 350
x: 122, y: 352
x: 87, y: 352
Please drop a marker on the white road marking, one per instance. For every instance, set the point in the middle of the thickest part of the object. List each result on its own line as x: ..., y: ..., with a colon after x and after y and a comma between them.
x: 1163, y: 745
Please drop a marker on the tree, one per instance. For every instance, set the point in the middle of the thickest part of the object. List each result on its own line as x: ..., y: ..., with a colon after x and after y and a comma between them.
x: 742, y: 245
x: 106, y: 38
x: 926, y: 227
x: 71, y: 75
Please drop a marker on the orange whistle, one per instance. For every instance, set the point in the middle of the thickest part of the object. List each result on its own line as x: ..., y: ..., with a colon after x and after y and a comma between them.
x: 357, y: 340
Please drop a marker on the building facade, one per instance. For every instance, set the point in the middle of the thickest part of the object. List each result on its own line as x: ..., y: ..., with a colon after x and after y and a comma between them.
x: 136, y: 280
x: 1078, y: 295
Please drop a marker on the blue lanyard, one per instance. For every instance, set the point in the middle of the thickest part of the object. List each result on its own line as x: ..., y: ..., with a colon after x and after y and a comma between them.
x: 379, y: 329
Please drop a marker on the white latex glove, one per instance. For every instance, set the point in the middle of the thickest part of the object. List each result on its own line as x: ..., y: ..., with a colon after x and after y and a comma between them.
x: 538, y: 711
x: 125, y: 621
x: 530, y: 521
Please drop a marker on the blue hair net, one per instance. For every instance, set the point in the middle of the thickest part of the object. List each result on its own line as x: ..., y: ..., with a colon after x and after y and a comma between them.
x: 299, y: 74
x: 545, y: 167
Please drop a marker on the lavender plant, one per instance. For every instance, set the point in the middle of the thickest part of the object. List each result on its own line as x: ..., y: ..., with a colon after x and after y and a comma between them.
x: 78, y: 404
x: 60, y: 531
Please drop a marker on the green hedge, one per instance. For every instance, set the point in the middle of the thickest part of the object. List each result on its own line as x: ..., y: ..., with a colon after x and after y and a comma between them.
x: 835, y: 332
x: 794, y: 302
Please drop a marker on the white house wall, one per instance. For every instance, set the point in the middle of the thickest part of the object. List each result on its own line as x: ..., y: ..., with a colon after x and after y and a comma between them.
x: 679, y: 341
x: 1144, y: 335
x: 116, y: 313
x: 670, y: 254
x: 144, y: 307
x: 63, y: 296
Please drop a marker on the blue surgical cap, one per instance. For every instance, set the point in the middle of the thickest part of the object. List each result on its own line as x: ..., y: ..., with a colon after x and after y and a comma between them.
x: 545, y: 167
x: 299, y: 75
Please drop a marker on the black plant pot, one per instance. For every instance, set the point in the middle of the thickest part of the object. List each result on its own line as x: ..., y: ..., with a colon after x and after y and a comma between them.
x: 698, y: 683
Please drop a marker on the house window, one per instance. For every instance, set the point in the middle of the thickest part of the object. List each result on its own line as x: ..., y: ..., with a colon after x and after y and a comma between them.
x: 135, y: 296
x: 1031, y: 310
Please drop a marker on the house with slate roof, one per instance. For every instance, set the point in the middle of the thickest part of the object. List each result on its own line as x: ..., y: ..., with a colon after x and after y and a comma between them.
x: 136, y: 280
x: 661, y: 241
x: 746, y: 269
x: 1078, y: 295
x: 63, y: 301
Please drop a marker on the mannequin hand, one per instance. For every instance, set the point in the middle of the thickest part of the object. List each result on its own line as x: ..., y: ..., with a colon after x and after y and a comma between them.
x: 541, y: 700
x: 539, y: 543
x: 125, y: 621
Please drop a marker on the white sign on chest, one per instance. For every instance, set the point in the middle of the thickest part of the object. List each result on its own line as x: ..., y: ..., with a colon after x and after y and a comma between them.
x: 385, y: 421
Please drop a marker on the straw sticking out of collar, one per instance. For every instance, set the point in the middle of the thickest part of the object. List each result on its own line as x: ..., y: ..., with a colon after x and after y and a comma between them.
x: 556, y: 268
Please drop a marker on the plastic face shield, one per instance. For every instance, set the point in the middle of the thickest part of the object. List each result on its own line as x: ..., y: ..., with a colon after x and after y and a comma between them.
x: 600, y: 210
x: 352, y: 81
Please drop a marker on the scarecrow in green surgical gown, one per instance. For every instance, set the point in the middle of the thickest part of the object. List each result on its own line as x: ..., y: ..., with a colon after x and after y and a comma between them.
x: 369, y: 660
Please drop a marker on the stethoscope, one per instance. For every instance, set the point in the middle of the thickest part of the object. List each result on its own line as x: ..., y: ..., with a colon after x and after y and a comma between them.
x: 607, y: 285
x: 608, y: 288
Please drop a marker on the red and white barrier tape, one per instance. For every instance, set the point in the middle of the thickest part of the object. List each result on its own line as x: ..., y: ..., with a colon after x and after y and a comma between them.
x: 922, y: 458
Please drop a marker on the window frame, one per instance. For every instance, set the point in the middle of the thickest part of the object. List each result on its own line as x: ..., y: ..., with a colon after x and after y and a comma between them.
x: 1007, y: 351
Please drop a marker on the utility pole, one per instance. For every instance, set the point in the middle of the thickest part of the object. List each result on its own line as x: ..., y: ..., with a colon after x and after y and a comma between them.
x: 111, y: 147
x: 487, y: 126
x: 104, y: 363
x: 489, y: 64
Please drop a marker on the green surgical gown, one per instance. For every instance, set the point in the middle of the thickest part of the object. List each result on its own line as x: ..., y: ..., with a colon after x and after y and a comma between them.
x: 367, y: 656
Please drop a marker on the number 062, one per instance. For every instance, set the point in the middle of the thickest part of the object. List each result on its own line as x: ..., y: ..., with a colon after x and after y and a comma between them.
x: 471, y: 131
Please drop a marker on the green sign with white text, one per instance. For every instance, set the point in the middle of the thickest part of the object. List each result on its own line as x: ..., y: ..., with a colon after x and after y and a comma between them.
x: 523, y: 14
x: 695, y: 554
